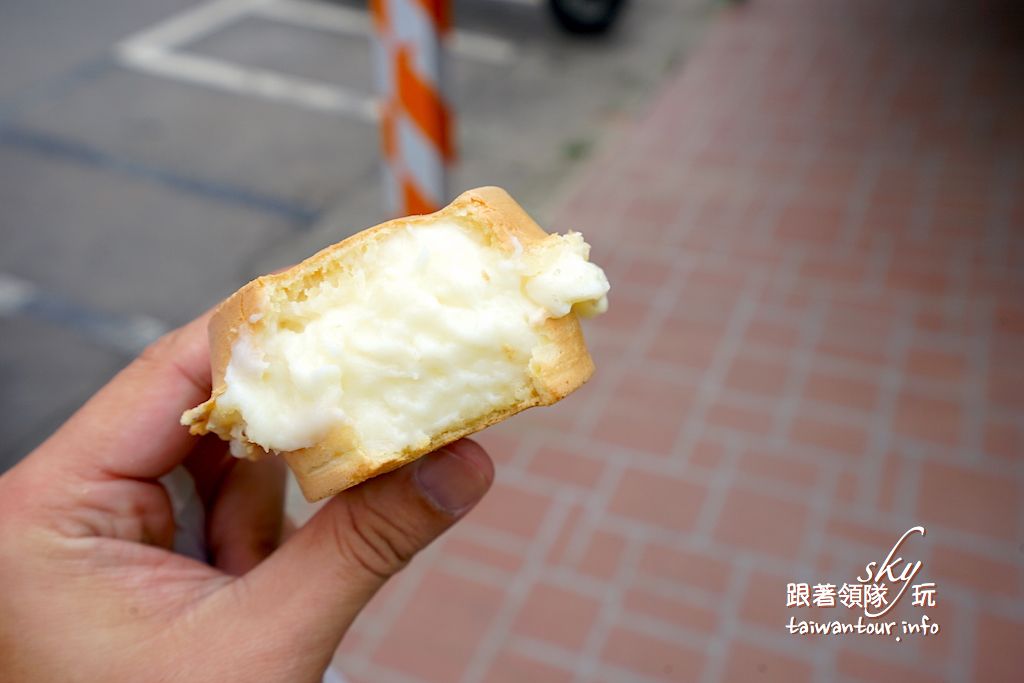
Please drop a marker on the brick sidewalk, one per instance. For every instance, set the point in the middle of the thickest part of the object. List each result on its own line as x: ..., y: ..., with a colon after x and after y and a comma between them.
x: 816, y: 243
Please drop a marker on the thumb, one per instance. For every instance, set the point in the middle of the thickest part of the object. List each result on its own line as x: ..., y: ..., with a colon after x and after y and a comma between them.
x: 313, y: 587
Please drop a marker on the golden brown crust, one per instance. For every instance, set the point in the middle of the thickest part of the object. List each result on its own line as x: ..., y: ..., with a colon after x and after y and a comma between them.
x: 337, y: 462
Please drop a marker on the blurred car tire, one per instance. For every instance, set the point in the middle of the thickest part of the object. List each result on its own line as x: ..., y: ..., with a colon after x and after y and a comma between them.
x: 585, y: 16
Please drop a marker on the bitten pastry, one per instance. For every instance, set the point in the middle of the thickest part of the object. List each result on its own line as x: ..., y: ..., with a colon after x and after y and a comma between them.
x: 400, y: 339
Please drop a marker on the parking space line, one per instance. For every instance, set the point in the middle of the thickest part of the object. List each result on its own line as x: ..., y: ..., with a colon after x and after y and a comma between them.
x: 345, y: 20
x: 482, y: 48
x: 263, y: 83
x: 158, y: 51
x: 127, y: 334
x: 191, y: 24
x: 315, y: 15
x: 15, y: 293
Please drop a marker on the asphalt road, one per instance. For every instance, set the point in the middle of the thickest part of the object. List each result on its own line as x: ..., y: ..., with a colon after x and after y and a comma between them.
x: 134, y: 196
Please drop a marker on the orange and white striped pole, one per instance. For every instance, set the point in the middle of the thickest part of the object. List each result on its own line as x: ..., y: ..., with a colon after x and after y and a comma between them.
x: 415, y: 118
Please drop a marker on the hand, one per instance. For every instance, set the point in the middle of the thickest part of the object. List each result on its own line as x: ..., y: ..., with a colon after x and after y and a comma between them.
x: 90, y: 590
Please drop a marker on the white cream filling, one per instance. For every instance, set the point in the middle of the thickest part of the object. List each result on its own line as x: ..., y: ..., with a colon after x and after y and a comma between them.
x: 437, y: 329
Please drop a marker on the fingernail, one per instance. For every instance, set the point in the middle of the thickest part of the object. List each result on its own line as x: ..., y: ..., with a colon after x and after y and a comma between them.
x: 451, y: 482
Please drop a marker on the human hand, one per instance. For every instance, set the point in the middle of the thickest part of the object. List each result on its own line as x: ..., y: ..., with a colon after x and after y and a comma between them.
x: 90, y: 590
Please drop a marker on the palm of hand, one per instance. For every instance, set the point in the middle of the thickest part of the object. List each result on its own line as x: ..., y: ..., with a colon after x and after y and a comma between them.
x: 90, y: 589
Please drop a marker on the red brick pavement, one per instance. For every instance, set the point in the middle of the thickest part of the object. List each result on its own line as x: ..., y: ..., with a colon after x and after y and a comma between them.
x: 816, y: 242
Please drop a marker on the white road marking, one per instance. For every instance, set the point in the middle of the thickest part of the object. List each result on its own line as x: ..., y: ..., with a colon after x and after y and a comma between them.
x: 192, y: 24
x: 347, y: 21
x: 316, y: 15
x: 125, y: 333
x: 158, y: 51
x: 482, y: 48
x: 270, y: 85
x: 15, y: 294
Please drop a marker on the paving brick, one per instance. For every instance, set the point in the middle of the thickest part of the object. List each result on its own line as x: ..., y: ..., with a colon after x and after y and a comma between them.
x: 978, y: 573
x: 848, y: 270
x: 708, y: 454
x: 896, y: 184
x: 970, y: 500
x: 653, y: 394
x: 644, y: 431
x: 891, y: 487
x: 844, y: 346
x: 810, y: 224
x: 606, y: 349
x: 1000, y: 285
x: 924, y: 416
x: 794, y: 301
x: 764, y: 601
x: 603, y: 555
x: 666, y: 501
x: 904, y: 276
x: 1006, y: 389
x: 676, y: 612
x: 557, y: 615
x: 510, y: 508
x: 764, y: 464
x: 354, y: 642
x: 757, y: 376
x: 999, y: 655
x: 938, y: 319
x: 462, y: 545
x: 859, y: 667
x: 890, y: 235
x: 563, y: 416
x: 645, y: 272
x: 841, y: 438
x: 874, y: 538
x: 829, y: 177
x: 657, y: 211
x: 511, y: 667
x: 756, y: 258
x: 1004, y: 439
x: 885, y: 219
x: 749, y: 662
x: 629, y: 315
x: 1004, y: 354
x: 841, y: 390
x: 756, y: 522
x: 566, y: 466
x: 1009, y: 320
x: 559, y: 553
x: 849, y: 334
x: 686, y: 568
x: 386, y: 598
x: 685, y: 343
x: 716, y: 280
x: 772, y: 332
x: 936, y: 364
x: 755, y: 421
x: 464, y: 607
x: 501, y: 445
x: 659, y: 659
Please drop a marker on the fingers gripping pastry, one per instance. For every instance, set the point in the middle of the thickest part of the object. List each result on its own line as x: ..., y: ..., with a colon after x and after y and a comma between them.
x: 400, y: 339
